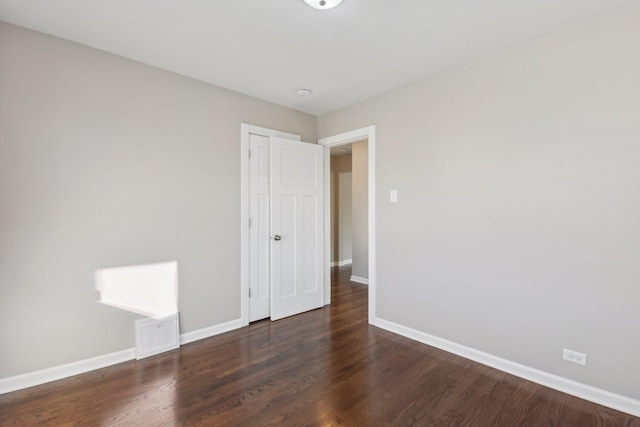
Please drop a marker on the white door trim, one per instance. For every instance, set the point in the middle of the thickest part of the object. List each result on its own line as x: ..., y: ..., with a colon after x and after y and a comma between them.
x: 245, y: 131
x: 368, y: 133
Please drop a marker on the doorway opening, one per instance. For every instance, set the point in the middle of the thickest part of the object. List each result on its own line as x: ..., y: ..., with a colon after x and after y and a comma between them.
x: 349, y: 233
x: 349, y: 212
x: 368, y: 134
x: 350, y: 237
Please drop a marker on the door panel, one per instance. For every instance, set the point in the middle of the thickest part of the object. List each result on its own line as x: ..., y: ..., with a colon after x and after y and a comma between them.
x: 259, y: 208
x: 285, y: 250
x: 297, y: 217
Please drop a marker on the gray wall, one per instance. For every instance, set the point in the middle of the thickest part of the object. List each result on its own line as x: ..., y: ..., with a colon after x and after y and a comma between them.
x: 360, y: 210
x: 517, y: 227
x: 107, y: 162
x: 345, y: 237
x: 341, y: 209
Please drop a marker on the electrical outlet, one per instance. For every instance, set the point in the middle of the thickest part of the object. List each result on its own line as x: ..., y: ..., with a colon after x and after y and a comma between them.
x: 575, y: 357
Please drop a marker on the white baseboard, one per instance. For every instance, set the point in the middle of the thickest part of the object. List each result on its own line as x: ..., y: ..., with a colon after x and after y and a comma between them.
x: 210, y: 331
x: 359, y: 279
x: 565, y: 385
x: 31, y: 379
x: 341, y: 263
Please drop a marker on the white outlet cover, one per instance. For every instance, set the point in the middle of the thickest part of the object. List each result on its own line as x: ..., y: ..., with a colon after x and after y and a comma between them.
x: 393, y: 196
x: 574, y: 357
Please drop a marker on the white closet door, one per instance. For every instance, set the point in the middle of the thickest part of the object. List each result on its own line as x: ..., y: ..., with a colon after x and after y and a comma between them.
x: 259, y: 304
x: 297, y: 221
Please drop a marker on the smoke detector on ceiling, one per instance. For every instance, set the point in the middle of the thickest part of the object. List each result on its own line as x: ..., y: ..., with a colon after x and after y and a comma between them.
x: 323, y: 4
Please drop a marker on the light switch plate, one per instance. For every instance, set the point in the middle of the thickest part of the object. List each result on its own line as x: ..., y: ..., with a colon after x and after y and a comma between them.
x: 393, y: 196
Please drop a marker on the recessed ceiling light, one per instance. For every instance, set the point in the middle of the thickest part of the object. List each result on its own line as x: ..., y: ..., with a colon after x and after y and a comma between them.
x: 323, y: 4
x: 344, y: 150
x: 304, y: 92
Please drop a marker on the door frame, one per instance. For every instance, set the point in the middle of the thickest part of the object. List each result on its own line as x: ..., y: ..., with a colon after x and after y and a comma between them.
x: 245, y: 131
x: 368, y: 133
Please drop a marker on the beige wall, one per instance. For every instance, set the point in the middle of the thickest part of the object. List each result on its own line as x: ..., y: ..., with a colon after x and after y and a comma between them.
x: 108, y: 162
x: 360, y: 267
x: 516, y: 228
x: 341, y: 209
x: 345, y: 238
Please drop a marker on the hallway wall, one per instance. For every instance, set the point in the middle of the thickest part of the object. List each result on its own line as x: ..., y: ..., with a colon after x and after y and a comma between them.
x: 341, y: 209
x: 360, y: 210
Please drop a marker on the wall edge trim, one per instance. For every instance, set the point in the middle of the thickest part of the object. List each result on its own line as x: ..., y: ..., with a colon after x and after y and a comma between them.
x: 31, y: 379
x: 211, y: 331
x: 361, y: 280
x: 593, y: 394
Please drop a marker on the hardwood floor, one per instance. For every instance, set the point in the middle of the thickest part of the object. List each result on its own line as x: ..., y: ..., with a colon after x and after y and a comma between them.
x: 326, y: 367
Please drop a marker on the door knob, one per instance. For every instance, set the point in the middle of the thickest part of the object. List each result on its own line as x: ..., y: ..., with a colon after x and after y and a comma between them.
x: 277, y: 237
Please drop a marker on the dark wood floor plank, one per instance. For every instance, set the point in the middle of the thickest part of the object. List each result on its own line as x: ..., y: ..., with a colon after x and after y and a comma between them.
x: 327, y: 367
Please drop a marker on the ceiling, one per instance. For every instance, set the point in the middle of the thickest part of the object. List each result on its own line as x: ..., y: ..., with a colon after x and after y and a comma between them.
x: 341, y: 150
x: 269, y: 49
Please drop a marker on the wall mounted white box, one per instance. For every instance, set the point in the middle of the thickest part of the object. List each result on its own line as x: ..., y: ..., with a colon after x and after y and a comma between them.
x: 154, y: 336
x: 574, y: 357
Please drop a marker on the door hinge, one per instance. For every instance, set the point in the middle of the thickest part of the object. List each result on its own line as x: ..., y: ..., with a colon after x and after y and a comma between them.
x: 249, y: 222
x: 249, y: 292
x: 249, y: 153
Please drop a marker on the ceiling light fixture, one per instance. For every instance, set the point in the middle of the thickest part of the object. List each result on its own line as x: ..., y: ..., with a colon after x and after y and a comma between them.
x: 304, y: 92
x: 323, y: 4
